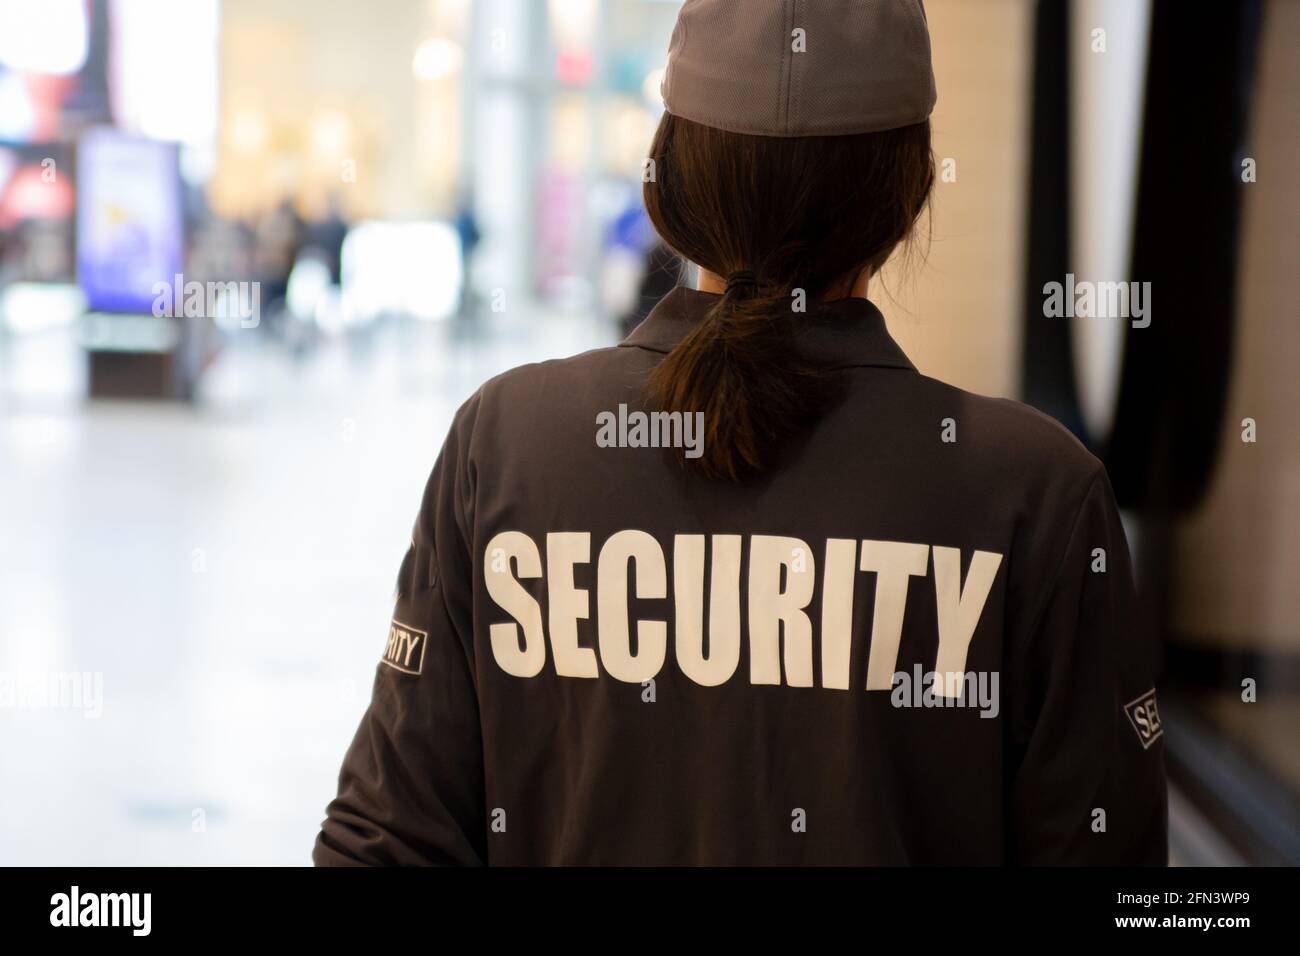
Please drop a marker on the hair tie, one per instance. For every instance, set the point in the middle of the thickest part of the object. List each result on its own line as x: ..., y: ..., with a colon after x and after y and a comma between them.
x: 742, y: 278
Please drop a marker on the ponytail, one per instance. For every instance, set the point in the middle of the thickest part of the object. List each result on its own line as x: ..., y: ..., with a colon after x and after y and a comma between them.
x: 775, y: 216
x: 739, y: 367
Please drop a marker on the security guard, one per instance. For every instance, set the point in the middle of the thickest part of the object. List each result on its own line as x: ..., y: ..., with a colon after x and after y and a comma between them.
x: 748, y: 588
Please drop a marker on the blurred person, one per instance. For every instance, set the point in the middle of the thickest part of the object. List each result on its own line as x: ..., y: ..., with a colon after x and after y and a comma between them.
x: 280, y: 235
x: 748, y: 588
x: 468, y: 234
x: 659, y: 275
x: 327, y: 233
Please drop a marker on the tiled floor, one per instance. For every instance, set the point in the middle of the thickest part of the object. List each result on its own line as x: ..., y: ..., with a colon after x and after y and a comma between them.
x: 226, y: 571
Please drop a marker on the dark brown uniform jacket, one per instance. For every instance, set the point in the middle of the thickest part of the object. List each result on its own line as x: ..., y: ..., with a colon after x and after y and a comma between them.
x: 600, y: 658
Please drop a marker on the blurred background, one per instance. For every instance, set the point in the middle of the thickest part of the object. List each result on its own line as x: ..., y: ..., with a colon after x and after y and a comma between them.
x: 254, y: 253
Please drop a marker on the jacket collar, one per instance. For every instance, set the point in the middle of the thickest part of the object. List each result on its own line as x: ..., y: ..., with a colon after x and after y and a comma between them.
x: 846, y: 332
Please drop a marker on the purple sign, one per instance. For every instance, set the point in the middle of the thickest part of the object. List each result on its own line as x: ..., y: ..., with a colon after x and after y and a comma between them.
x: 129, y: 219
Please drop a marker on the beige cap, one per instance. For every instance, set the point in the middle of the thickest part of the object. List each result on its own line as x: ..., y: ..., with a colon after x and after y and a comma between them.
x: 800, y: 67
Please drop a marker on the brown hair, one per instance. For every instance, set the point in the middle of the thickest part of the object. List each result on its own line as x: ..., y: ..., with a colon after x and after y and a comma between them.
x: 804, y: 213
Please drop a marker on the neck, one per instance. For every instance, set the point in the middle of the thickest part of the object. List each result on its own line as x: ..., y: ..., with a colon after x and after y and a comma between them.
x: 716, y: 284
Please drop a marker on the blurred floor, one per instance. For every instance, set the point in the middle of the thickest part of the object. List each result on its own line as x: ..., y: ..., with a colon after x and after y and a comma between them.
x: 228, y: 569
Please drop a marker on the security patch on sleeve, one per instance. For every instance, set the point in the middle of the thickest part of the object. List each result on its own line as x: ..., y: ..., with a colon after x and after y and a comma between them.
x: 405, y: 650
x: 1144, y: 717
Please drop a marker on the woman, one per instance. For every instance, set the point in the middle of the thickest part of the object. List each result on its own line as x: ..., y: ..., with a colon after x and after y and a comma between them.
x: 748, y: 588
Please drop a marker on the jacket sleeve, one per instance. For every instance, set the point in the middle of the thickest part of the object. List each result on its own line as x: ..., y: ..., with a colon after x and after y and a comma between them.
x: 411, y: 789
x: 1086, y: 755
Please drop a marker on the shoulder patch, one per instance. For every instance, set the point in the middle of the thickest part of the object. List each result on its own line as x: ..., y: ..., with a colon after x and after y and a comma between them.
x: 405, y: 649
x: 1144, y: 717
